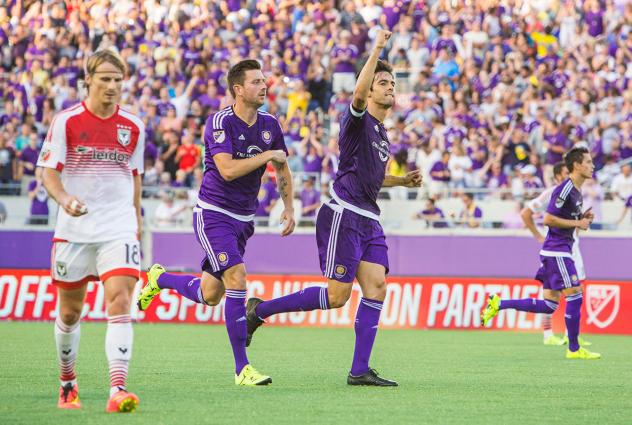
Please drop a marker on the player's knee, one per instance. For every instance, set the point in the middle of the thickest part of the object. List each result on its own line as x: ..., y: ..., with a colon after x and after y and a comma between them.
x: 70, y: 316
x: 375, y: 291
x: 120, y: 303
x: 338, y: 299
x: 212, y: 296
x: 551, y: 306
x: 235, y: 278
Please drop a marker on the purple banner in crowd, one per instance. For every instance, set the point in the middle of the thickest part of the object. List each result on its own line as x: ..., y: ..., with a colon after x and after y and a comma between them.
x: 485, y: 256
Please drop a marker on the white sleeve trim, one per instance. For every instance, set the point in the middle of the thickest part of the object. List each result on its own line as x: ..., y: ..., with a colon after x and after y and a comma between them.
x: 354, y: 113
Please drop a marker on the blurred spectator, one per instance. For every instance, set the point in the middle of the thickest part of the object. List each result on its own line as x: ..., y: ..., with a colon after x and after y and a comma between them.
x: 470, y: 216
x: 3, y: 213
x: 39, y: 200
x: 440, y: 174
x: 622, y: 183
x: 268, y: 197
x: 8, y: 166
x: 432, y: 215
x: 343, y: 59
x: 29, y: 155
x: 188, y: 155
x: 593, y: 195
x: 626, y: 207
x: 310, y: 202
x: 169, y: 212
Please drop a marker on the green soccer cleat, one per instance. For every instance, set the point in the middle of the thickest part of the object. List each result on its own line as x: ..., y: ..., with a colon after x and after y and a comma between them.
x: 582, y: 341
x: 491, y: 310
x: 250, y: 377
x: 554, y: 340
x: 151, y: 289
x: 582, y: 354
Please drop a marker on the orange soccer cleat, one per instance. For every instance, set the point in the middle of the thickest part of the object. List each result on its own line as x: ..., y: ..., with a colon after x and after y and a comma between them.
x: 122, y: 402
x: 69, y: 397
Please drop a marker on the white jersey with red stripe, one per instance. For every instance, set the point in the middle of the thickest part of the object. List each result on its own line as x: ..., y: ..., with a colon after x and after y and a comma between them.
x: 97, y: 159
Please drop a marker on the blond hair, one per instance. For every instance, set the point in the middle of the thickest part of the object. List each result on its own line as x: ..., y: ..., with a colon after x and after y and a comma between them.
x: 103, y: 56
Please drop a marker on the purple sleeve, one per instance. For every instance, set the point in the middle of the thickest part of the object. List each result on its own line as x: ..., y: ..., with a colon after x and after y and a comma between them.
x: 628, y: 203
x: 478, y: 213
x: 216, y: 138
x: 556, y: 204
x: 32, y: 185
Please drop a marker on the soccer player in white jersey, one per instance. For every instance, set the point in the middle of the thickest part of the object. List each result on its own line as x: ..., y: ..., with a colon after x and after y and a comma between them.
x: 93, y: 161
x: 538, y: 206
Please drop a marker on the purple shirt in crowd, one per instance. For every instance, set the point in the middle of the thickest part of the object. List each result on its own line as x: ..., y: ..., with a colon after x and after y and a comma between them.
x: 308, y: 198
x: 39, y: 205
x: 267, y: 194
x: 29, y: 155
x: 345, y: 65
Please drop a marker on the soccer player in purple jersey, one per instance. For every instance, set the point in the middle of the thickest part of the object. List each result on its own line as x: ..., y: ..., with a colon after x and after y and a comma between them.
x: 351, y: 242
x: 240, y: 140
x: 557, y: 271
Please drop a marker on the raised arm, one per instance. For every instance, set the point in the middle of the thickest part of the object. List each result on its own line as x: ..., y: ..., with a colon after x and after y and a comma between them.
x: 365, y: 79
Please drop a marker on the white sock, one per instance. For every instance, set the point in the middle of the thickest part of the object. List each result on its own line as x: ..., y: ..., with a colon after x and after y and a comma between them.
x: 547, y: 333
x: 67, y: 343
x: 118, y: 349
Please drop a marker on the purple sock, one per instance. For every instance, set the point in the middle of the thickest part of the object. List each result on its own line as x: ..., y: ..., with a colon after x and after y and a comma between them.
x: 366, y: 323
x: 307, y: 299
x: 530, y: 304
x: 572, y: 316
x: 185, y: 285
x: 235, y: 314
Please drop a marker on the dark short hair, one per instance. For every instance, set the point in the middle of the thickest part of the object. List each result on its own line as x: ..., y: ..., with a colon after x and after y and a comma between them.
x: 237, y: 73
x: 557, y: 168
x: 574, y: 156
x: 469, y: 195
x: 381, y: 66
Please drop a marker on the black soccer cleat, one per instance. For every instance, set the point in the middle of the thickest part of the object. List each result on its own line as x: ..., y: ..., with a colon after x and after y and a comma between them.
x: 252, y: 319
x: 370, y: 378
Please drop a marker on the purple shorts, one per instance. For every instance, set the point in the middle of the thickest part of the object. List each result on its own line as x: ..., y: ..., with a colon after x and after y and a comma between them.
x: 344, y: 239
x: 222, y: 238
x: 557, y: 273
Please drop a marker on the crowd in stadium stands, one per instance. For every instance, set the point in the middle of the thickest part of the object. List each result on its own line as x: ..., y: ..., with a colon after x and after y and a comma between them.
x: 490, y: 93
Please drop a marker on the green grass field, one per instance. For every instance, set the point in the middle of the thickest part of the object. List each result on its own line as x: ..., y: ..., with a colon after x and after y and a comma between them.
x: 183, y: 374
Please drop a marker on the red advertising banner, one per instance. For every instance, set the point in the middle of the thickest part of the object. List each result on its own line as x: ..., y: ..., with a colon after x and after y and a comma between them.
x: 411, y: 303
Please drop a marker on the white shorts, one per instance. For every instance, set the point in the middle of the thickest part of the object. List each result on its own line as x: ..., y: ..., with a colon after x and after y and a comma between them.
x: 579, y: 262
x: 75, y: 264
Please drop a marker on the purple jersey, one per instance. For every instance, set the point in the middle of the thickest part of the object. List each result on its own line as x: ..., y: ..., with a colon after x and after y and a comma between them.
x: 224, y: 132
x: 39, y: 205
x: 267, y: 194
x: 566, y: 202
x: 309, y: 198
x: 364, y: 152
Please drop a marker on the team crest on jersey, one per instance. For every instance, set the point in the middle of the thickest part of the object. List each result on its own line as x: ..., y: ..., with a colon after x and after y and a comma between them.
x: 340, y: 271
x: 222, y: 257
x: 219, y: 136
x: 559, y: 202
x: 61, y: 269
x: 266, y: 136
x: 124, y: 136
